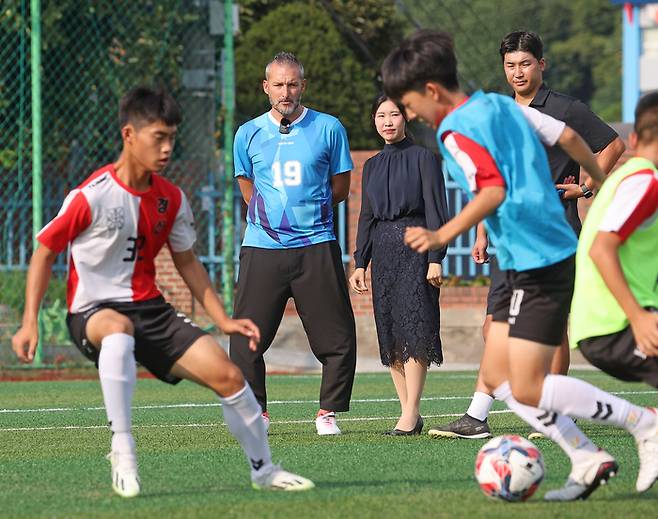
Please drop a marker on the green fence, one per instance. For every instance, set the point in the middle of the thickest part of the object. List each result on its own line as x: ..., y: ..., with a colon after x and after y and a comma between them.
x: 91, y: 52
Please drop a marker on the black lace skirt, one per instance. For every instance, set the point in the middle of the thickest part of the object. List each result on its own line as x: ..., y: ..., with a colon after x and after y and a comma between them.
x: 406, y: 305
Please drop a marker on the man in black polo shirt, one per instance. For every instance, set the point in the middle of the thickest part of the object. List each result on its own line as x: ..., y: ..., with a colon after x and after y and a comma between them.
x: 524, y: 64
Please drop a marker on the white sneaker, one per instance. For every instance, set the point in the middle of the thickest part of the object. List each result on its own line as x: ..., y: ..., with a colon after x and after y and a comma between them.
x: 275, y: 478
x: 647, y: 450
x: 326, y: 424
x: 585, y: 478
x: 125, y: 480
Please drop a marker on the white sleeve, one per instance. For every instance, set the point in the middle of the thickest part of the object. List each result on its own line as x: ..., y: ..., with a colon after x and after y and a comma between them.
x: 547, y: 128
x: 183, y: 234
x: 634, y: 199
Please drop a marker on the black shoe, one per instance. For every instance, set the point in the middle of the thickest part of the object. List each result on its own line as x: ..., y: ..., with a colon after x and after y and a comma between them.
x: 418, y: 428
x: 464, y: 427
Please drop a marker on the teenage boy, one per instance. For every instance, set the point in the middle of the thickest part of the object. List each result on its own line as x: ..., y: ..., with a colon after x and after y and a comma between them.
x: 522, y: 56
x: 614, y: 319
x: 115, y: 223
x: 491, y: 148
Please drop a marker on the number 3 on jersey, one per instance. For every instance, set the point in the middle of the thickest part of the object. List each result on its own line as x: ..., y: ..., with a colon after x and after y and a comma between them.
x: 291, y: 174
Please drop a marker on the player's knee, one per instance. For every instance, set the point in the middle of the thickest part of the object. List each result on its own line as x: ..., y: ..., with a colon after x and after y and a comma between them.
x: 228, y: 380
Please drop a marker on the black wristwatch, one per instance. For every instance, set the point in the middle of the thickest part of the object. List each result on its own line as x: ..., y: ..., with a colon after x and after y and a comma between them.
x: 587, y: 192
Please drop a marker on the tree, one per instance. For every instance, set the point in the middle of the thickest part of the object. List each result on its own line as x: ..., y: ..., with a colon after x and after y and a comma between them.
x: 582, y: 42
x: 339, y: 83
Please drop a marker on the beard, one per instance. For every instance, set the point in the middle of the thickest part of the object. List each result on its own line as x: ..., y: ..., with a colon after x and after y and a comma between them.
x: 285, y: 111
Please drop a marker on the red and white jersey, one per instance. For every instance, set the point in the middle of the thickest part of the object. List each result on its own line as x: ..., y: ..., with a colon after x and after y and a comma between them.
x: 115, y: 233
x: 635, y: 204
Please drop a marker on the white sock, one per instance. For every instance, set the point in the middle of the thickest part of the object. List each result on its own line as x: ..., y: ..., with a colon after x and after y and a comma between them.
x: 118, y: 375
x: 577, y: 398
x: 559, y: 428
x: 480, y: 406
x: 243, y: 416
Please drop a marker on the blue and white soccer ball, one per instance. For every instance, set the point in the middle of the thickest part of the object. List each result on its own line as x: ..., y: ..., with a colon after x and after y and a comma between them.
x: 509, y: 468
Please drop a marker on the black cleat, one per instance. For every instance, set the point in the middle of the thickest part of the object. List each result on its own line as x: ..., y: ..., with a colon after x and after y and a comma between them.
x: 465, y: 427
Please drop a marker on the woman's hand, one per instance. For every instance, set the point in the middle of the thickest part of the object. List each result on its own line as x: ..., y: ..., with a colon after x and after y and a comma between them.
x: 358, y: 281
x: 435, y: 274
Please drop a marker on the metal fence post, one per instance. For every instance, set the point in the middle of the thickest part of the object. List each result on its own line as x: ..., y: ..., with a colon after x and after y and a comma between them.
x: 37, y: 158
x: 228, y: 91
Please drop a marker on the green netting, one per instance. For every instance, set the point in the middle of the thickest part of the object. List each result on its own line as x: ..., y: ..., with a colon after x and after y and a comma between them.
x: 91, y: 53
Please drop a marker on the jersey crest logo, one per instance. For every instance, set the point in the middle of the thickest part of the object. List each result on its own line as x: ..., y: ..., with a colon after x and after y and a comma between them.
x: 163, y: 203
x: 159, y: 226
x: 115, y: 218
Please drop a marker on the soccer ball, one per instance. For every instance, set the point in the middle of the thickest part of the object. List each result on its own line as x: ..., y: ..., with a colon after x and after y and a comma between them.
x: 509, y: 468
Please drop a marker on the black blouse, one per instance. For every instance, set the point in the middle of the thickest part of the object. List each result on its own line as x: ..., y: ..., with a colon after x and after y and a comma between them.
x: 403, y: 179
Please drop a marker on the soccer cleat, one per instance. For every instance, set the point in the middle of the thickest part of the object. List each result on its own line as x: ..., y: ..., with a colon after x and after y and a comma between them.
x: 275, y: 478
x: 326, y: 425
x: 536, y: 435
x: 586, y: 478
x: 125, y: 480
x: 266, y: 419
x: 647, y: 449
x: 465, y: 427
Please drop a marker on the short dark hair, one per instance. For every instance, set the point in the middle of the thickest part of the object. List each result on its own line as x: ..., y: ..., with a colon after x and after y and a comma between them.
x: 424, y: 56
x: 522, y: 41
x: 646, y: 118
x: 145, y: 105
x: 381, y: 99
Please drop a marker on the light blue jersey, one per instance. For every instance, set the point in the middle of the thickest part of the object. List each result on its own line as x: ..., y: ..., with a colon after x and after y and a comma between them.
x: 529, y: 229
x: 291, y: 202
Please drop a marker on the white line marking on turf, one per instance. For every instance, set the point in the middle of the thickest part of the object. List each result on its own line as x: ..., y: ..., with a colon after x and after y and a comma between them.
x: 218, y: 424
x: 191, y: 405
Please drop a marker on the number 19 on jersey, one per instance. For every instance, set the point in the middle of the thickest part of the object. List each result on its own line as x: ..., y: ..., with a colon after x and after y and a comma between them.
x: 288, y: 175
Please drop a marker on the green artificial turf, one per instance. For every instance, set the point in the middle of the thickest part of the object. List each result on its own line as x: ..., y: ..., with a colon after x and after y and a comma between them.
x: 52, y: 461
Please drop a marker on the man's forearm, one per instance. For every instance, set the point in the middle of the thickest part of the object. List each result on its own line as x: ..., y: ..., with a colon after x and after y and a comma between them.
x: 608, y: 157
x: 38, y: 277
x: 484, y: 203
x: 196, y: 278
x: 574, y: 146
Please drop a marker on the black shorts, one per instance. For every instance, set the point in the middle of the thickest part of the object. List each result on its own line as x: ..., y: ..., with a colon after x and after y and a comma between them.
x: 536, y: 302
x: 162, y: 334
x: 497, y: 286
x: 617, y: 354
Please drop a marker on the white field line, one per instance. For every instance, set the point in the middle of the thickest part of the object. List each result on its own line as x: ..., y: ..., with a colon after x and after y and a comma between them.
x: 191, y: 405
x: 220, y: 424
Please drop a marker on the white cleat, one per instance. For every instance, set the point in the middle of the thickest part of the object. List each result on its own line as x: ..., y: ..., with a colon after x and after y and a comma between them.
x: 326, y: 424
x: 647, y: 450
x: 586, y: 478
x: 125, y: 480
x: 275, y: 478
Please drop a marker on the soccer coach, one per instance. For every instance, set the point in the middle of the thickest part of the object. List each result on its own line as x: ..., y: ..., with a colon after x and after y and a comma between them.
x: 293, y: 165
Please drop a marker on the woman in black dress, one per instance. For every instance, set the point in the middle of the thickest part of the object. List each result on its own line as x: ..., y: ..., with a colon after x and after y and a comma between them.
x: 402, y: 186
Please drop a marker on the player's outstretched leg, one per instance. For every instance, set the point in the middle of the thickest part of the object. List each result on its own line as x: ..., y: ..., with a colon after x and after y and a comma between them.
x: 207, y: 364
x: 583, y: 400
x: 591, y: 466
x: 117, y: 372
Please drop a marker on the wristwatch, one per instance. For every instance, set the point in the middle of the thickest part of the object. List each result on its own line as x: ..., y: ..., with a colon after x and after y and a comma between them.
x: 587, y: 192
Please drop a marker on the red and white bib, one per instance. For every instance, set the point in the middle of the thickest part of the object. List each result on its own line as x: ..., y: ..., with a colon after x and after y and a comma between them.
x: 115, y: 233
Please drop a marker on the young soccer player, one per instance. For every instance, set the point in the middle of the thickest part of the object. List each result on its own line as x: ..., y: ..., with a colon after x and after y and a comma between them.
x: 115, y: 223
x: 491, y: 148
x: 614, y: 312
